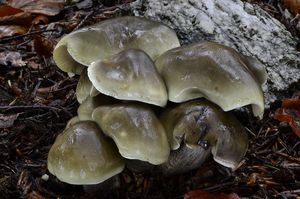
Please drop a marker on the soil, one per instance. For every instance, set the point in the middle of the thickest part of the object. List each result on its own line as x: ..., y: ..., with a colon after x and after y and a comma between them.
x: 37, y: 99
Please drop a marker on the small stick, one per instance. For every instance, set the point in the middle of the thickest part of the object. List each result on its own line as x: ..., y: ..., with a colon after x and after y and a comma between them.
x: 26, y: 34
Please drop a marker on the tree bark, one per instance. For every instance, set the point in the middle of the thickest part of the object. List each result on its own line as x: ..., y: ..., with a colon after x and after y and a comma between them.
x: 240, y: 25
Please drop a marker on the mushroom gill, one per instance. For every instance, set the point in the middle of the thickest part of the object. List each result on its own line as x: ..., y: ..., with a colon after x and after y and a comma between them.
x: 215, y: 72
x: 85, y: 87
x: 202, y: 127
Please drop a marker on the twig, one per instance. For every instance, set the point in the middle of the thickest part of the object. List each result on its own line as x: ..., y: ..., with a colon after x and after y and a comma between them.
x: 253, y: 134
x: 6, y: 108
x: 84, y: 19
x: 291, y: 193
x: 26, y: 34
x: 219, y: 186
x: 287, y: 156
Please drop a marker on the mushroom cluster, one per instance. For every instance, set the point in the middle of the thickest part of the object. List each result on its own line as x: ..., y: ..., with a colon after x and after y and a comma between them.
x: 145, y: 98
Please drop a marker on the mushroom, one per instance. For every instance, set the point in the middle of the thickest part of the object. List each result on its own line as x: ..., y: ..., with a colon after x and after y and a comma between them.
x: 129, y: 75
x: 197, y: 128
x: 257, y: 68
x: 136, y: 131
x: 183, y: 160
x: 65, y: 61
x: 72, y: 121
x: 82, y: 155
x: 86, y: 108
x: 85, y: 88
x: 109, y: 37
x: 215, y: 72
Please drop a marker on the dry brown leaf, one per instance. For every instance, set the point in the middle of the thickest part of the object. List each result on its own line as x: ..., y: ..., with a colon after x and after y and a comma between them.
x: 292, y: 5
x: 6, y: 10
x: 201, y: 194
x: 290, y: 113
x: 6, y: 31
x: 34, y: 195
x: 22, y: 18
x: 40, y: 19
x: 46, y: 7
x: 33, y: 65
x: 14, y: 89
x: 43, y: 46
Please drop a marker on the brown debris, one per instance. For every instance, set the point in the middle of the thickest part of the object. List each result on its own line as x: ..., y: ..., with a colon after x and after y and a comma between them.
x: 290, y: 113
x: 292, y: 5
x: 43, y: 46
x: 46, y: 7
x: 38, y: 99
x: 7, y: 121
x: 201, y: 194
x: 6, y: 31
x: 11, y: 58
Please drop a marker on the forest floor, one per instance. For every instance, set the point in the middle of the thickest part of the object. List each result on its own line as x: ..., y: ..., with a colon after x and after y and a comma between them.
x: 37, y: 99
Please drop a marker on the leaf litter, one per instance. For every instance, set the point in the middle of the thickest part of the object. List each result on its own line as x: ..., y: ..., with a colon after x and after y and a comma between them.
x: 37, y: 100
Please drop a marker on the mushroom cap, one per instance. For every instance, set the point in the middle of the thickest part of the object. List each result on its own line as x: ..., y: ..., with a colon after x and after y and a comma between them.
x: 82, y: 155
x: 129, y: 75
x: 86, y: 108
x: 256, y: 67
x: 72, y: 121
x: 111, y: 36
x: 201, y: 122
x: 64, y: 60
x: 213, y: 71
x: 85, y: 87
x: 136, y: 131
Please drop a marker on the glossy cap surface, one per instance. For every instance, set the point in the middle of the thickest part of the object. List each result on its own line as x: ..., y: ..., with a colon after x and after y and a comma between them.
x: 129, y: 75
x: 213, y: 71
x: 82, y: 155
x: 87, y: 107
x: 110, y: 37
x: 136, y: 131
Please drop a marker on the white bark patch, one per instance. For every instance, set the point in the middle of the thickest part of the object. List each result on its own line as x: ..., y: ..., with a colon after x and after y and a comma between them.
x: 234, y: 23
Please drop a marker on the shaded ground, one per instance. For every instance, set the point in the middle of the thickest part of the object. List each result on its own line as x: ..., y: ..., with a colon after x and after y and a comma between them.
x: 39, y: 99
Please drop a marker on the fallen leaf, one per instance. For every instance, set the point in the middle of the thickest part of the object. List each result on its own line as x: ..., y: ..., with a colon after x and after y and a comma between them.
x: 6, y: 31
x: 43, y: 46
x: 7, y: 121
x: 201, y: 194
x: 11, y: 58
x: 33, y: 65
x: 13, y: 21
x: 292, y: 5
x: 84, y: 4
x: 40, y: 19
x: 290, y: 113
x: 46, y: 7
x: 34, y: 195
x: 14, y: 89
x: 22, y: 18
x: 254, y: 179
x: 6, y: 10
